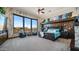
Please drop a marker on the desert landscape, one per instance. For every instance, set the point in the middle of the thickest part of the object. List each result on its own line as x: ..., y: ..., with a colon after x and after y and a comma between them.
x: 17, y: 29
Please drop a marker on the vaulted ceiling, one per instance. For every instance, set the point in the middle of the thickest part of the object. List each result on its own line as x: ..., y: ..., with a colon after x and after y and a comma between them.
x: 48, y: 11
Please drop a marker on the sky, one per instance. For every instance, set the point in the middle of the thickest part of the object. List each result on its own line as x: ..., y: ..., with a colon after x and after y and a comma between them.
x: 2, y: 20
x: 34, y: 23
x: 18, y: 22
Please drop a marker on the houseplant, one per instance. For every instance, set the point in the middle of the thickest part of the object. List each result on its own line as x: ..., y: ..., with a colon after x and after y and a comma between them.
x: 2, y: 10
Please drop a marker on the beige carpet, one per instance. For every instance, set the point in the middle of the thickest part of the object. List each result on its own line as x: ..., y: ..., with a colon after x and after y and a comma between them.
x: 34, y: 43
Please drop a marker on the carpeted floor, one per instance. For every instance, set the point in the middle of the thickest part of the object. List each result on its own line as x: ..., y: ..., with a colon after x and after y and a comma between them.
x: 34, y: 43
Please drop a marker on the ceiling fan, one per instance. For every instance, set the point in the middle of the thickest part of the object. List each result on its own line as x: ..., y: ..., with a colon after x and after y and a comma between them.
x: 41, y: 10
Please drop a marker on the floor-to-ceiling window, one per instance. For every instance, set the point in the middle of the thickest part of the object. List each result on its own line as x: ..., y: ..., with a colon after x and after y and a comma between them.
x: 18, y: 23
x: 2, y: 23
x: 27, y: 25
x: 3, y: 29
x: 34, y: 26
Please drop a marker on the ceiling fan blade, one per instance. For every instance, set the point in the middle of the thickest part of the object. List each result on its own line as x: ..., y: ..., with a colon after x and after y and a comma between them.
x: 42, y: 9
x: 42, y: 12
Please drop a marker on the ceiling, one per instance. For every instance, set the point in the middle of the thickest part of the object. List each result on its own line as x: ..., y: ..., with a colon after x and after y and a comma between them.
x: 49, y: 11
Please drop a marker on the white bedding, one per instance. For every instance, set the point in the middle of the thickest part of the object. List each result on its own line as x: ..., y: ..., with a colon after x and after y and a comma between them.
x: 33, y: 43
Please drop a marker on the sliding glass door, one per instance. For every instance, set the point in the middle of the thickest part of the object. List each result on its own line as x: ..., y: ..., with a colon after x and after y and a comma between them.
x: 34, y: 26
x: 18, y: 23
x: 27, y: 25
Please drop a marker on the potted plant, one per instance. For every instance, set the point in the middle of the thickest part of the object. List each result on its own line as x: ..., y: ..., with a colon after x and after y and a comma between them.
x: 2, y: 10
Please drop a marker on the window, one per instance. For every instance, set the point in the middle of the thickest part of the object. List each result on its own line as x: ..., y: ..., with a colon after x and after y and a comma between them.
x: 2, y: 23
x: 18, y: 23
x: 34, y: 26
x: 27, y: 25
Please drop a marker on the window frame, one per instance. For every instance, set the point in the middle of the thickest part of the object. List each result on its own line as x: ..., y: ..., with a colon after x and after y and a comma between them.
x: 30, y: 23
x: 24, y: 21
x: 37, y: 24
x: 5, y: 24
x: 13, y: 22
